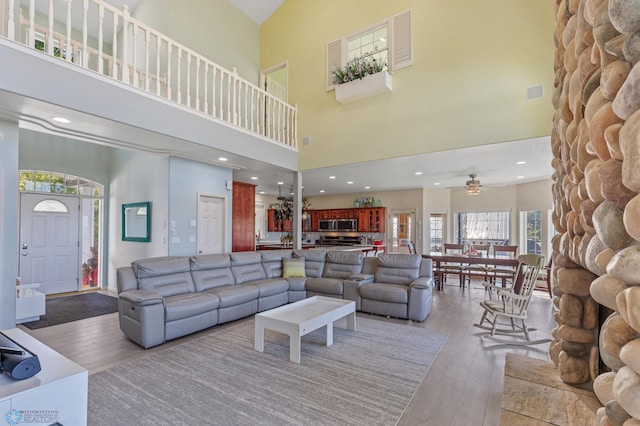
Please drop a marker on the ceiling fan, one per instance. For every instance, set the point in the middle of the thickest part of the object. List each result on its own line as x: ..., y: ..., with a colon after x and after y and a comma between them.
x: 472, y: 186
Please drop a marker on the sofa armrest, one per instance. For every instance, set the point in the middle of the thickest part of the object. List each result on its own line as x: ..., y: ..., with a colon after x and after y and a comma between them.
x: 422, y: 282
x: 142, y: 317
x: 126, y: 279
x: 142, y: 297
x: 351, y: 289
x: 361, y: 277
x: 420, y: 298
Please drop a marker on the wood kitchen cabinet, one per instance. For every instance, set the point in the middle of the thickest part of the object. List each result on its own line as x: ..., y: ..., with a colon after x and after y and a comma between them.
x: 372, y: 219
x: 243, y: 217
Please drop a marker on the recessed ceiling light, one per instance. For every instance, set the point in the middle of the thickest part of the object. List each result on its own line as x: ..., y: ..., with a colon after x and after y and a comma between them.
x: 280, y: 183
x: 436, y: 183
x: 322, y: 191
x: 222, y: 159
x: 418, y: 173
x: 350, y: 182
x: 332, y: 177
x: 61, y: 120
x: 521, y: 162
x: 254, y: 177
x: 260, y: 192
x: 520, y: 177
x: 367, y: 187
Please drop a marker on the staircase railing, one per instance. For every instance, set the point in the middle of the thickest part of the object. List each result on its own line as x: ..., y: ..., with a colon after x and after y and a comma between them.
x: 129, y: 51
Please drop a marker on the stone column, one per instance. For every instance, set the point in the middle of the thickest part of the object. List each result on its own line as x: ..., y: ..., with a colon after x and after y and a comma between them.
x: 596, y: 146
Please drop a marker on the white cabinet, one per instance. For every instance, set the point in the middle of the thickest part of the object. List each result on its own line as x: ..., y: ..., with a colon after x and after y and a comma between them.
x: 58, y: 393
x: 30, y: 303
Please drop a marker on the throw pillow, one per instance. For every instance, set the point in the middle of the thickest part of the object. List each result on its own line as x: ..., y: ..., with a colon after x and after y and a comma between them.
x: 293, y: 267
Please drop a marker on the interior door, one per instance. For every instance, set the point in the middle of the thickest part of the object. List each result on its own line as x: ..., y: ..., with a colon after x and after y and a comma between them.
x: 210, y: 226
x: 49, y: 242
x: 402, y: 231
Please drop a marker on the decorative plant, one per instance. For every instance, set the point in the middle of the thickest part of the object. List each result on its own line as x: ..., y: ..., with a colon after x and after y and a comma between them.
x: 358, y: 68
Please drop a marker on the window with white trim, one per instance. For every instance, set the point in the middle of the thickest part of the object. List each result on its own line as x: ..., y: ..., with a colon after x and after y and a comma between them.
x: 390, y: 42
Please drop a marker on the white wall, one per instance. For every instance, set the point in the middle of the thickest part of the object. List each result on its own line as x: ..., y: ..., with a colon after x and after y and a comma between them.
x: 8, y: 222
x: 136, y: 177
x: 186, y: 180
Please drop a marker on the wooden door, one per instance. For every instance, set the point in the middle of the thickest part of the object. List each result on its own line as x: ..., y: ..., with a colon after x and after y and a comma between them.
x: 243, y: 235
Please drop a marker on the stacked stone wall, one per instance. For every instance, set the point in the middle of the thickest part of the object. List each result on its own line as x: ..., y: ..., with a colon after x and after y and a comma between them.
x: 596, y: 249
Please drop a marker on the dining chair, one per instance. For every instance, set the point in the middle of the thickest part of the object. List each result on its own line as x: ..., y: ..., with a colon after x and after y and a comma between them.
x: 411, y: 247
x: 510, y: 307
x: 451, y: 268
x: 474, y: 270
x: 503, y: 273
x: 545, y: 277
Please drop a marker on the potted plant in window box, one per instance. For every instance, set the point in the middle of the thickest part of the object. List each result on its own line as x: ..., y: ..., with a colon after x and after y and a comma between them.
x: 361, y: 78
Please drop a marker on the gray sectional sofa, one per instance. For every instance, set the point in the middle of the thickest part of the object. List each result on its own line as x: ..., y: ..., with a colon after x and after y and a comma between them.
x: 168, y: 297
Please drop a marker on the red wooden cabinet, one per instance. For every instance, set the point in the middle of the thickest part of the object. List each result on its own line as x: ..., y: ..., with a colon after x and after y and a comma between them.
x: 243, y: 217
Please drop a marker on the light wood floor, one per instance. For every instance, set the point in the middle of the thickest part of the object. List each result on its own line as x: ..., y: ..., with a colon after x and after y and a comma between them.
x: 463, y: 387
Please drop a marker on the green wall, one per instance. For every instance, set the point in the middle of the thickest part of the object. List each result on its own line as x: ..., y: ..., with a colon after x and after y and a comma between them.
x: 473, y: 61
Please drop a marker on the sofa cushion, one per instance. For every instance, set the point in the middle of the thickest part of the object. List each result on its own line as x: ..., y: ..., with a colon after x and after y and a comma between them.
x: 166, y: 276
x: 233, y: 295
x: 272, y: 261
x: 271, y: 286
x: 313, y: 261
x: 293, y: 267
x: 188, y: 305
x: 385, y: 293
x: 397, y: 268
x: 325, y: 285
x: 247, y: 266
x: 342, y: 264
x: 211, y: 270
x: 297, y: 283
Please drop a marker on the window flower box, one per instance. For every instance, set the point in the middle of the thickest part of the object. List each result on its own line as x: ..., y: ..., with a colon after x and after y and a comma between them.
x: 371, y: 85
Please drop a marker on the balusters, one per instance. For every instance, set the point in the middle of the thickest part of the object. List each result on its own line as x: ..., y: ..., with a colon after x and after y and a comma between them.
x: 114, y: 71
x: 125, y: 44
x: 85, y: 33
x: 50, y: 41
x: 189, y: 79
x: 169, y: 70
x: 179, y: 82
x: 158, y: 47
x: 134, y: 68
x: 206, y: 88
x: 220, y: 93
x: 100, y: 37
x: 197, y: 84
x: 32, y: 23
x: 11, y: 27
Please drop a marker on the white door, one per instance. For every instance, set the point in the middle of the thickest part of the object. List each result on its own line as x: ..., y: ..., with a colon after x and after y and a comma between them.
x: 49, y: 242
x: 210, y: 226
x: 402, y: 231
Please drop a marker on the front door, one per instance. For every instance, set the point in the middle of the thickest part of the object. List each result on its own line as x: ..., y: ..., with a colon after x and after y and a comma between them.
x: 210, y: 232
x: 49, y: 242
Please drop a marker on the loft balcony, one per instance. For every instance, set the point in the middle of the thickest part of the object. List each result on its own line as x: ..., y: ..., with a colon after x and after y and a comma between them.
x: 95, y: 36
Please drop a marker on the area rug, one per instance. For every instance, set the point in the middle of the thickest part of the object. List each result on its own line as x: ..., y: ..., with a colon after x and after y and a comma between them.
x: 367, y: 377
x: 73, y: 308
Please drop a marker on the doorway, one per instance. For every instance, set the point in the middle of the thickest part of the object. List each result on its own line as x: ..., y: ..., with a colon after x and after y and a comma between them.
x: 49, y: 242
x: 402, y: 230
x: 210, y: 224
x: 60, y: 231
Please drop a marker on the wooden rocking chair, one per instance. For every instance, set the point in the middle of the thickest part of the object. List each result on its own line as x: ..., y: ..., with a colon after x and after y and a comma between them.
x: 511, y: 305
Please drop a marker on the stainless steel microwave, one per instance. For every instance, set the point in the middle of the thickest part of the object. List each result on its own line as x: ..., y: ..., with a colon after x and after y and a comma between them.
x: 344, y: 225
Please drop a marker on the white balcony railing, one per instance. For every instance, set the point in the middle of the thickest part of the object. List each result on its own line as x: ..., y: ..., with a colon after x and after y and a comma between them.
x: 96, y: 36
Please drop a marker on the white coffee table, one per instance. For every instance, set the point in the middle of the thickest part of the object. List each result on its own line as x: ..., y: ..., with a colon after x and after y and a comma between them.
x: 303, y: 317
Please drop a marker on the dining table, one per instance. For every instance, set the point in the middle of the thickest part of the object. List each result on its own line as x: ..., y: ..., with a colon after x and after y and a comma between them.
x: 439, y: 258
